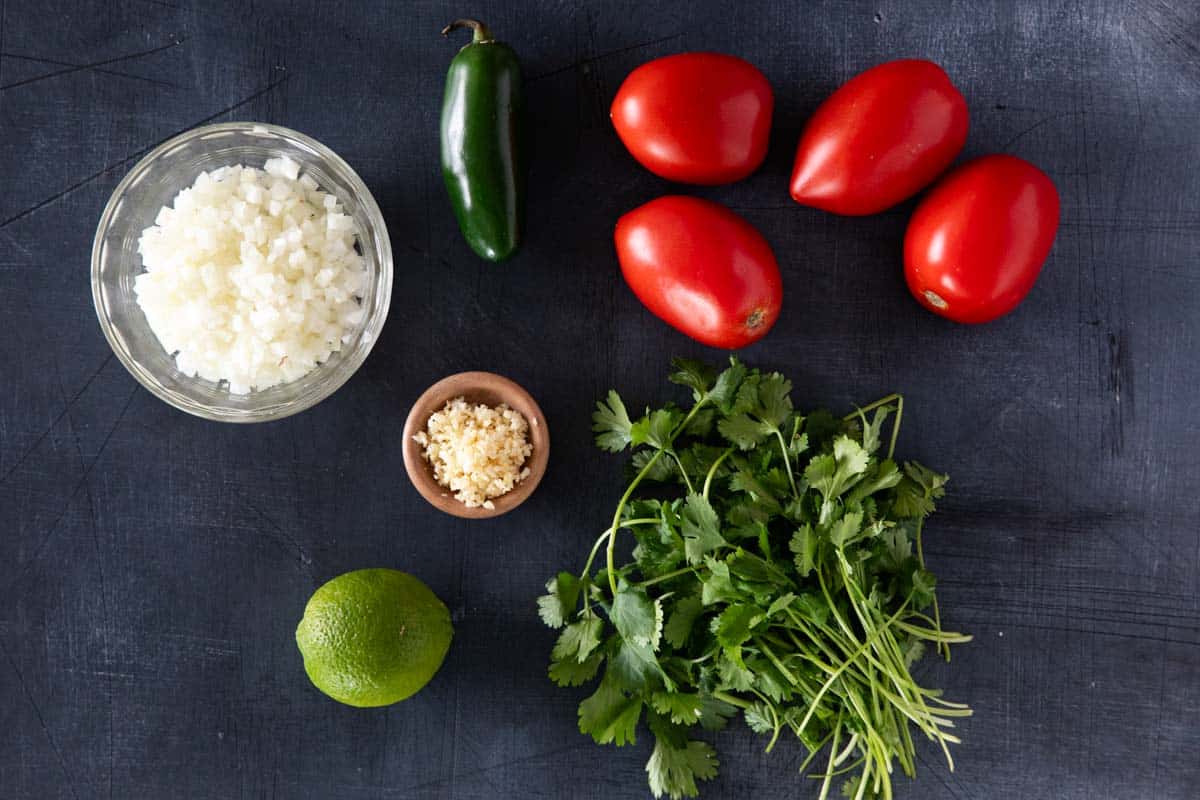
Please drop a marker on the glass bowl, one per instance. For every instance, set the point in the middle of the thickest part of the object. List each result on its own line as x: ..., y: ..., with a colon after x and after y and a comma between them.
x: 153, y: 183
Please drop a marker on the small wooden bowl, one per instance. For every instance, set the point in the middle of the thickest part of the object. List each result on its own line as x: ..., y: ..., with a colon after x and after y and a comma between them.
x: 492, y: 390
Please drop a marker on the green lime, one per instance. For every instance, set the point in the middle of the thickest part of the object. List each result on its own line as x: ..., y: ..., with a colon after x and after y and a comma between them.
x: 373, y: 637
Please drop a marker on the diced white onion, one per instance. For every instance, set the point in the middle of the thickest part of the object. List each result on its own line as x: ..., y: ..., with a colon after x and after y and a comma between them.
x: 251, y: 276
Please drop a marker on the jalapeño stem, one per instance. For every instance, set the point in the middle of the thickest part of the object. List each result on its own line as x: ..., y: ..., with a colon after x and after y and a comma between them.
x: 480, y: 32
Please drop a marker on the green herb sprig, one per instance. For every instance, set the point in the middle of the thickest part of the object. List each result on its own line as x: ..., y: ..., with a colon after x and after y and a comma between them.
x: 778, y: 572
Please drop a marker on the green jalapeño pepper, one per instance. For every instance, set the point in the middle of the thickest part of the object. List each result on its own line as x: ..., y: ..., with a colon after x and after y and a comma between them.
x: 481, y: 143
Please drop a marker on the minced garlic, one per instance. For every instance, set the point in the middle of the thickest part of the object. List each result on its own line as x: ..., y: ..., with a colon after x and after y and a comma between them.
x: 478, y: 452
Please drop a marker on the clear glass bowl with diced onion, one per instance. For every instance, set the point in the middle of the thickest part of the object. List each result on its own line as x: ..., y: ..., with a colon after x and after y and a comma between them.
x: 242, y: 272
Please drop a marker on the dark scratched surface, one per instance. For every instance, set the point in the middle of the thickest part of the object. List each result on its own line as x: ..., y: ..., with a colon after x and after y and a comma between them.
x: 153, y: 566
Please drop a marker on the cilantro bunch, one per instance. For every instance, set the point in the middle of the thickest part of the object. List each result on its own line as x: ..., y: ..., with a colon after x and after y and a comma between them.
x: 777, y: 573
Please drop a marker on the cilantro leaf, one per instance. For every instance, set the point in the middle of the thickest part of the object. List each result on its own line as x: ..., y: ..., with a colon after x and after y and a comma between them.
x: 883, y: 475
x: 774, y: 400
x: 812, y: 608
x: 744, y: 511
x: 768, y: 681
x: 674, y: 771
x: 681, y: 707
x: 714, y: 713
x: 717, y: 586
x: 914, y: 648
x: 897, y: 547
x: 726, y: 386
x: 701, y: 528
x: 699, y: 458
x: 664, y: 729
x: 735, y: 622
x: 911, y: 501
x: 683, y: 616
x: 659, y: 426
x: 659, y: 548
x: 570, y: 672
x: 798, y: 444
x: 846, y: 529
x: 578, y: 639
x: 927, y: 478
x: 747, y: 394
x: 780, y: 604
x: 636, y: 617
x: 833, y: 473
x: 664, y: 469
x: 821, y: 427
x: 761, y: 407
x: 852, y: 459
x: 758, y: 718
x: 557, y: 606
x: 804, y: 546
x: 696, y: 376
x: 735, y: 676
x: 743, y: 431
x: 632, y: 666
x: 923, y: 583
x: 744, y: 481
x: 821, y: 474
x: 871, y: 428
x: 612, y: 425
x: 609, y: 715
x: 752, y: 568
x: 916, y: 491
x: 702, y: 423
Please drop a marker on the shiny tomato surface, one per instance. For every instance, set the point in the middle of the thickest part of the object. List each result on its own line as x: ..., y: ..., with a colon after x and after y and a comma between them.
x: 976, y: 243
x: 699, y: 118
x: 702, y: 269
x: 879, y: 139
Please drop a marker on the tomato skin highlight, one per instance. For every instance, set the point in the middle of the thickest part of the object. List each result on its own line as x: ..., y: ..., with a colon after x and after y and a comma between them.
x: 701, y: 118
x: 702, y: 269
x: 976, y: 243
x: 879, y: 139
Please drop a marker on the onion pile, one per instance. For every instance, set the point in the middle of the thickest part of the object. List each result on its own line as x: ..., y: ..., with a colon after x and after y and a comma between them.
x: 252, y: 276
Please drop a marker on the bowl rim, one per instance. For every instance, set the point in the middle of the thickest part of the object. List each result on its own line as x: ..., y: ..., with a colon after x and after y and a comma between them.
x: 474, y: 383
x: 362, y: 195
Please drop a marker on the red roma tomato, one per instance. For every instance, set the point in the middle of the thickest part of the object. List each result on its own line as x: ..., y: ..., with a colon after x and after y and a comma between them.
x: 976, y: 243
x: 695, y: 117
x: 879, y: 139
x: 702, y: 269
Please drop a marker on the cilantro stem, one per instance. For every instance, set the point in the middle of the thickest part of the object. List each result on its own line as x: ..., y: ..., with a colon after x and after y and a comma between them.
x: 812, y: 754
x: 776, y: 723
x: 612, y: 537
x: 896, y: 425
x: 846, y: 751
x: 858, y: 651
x: 713, y: 470
x: 587, y: 567
x: 833, y: 609
x: 687, y: 481
x: 787, y: 462
x: 853, y: 765
x: 596, y: 547
x: 833, y: 749
x: 889, y: 650
x: 666, y: 577
x: 629, y: 490
x: 784, y: 671
x: 883, y: 401
x: 942, y: 647
x: 732, y: 699
x: 933, y: 635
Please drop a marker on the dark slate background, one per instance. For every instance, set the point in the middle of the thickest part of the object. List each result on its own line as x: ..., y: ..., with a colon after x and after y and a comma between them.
x: 153, y: 566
